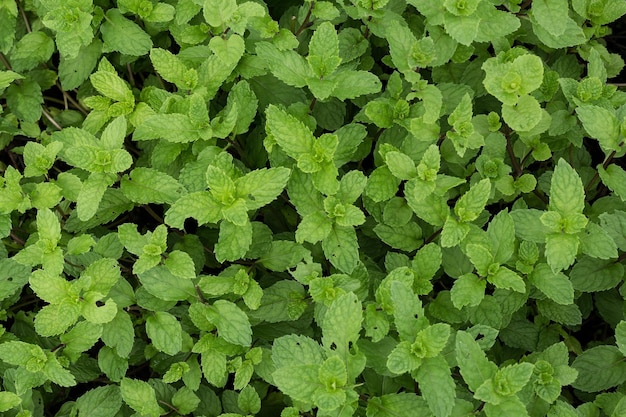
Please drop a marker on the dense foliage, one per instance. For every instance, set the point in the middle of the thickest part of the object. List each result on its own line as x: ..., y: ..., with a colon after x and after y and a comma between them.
x: 379, y: 208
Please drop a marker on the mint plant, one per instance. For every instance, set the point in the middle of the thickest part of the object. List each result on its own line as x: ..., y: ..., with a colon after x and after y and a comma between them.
x: 334, y: 208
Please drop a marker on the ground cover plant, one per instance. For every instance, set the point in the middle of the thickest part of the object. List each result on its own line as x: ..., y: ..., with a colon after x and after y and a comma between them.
x: 377, y: 208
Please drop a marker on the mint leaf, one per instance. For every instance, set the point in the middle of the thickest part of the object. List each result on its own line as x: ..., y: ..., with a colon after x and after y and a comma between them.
x: 165, y: 332
x: 556, y: 286
x: 122, y: 35
x: 473, y: 364
x: 613, y: 177
x: 342, y: 248
x: 100, y: 402
x: 472, y: 203
x: 140, y: 396
x: 567, y: 195
x: 468, y: 290
x: 601, y: 124
x: 551, y: 15
x: 599, y: 368
x: 437, y: 386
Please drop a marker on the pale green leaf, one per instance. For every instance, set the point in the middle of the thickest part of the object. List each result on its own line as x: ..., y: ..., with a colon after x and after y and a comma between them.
x: 54, y: 319
x: 468, y: 290
x: 474, y: 366
x: 601, y: 124
x: 233, y: 241
x: 147, y: 185
x: 561, y: 250
x: 261, y: 186
x: 341, y: 247
x: 556, y: 286
x: 472, y: 203
x: 614, y: 177
x: 599, y: 368
x: 200, y: 205
x: 100, y: 402
x: 8, y: 400
x: 293, y: 136
x: 164, y: 285
x: 122, y: 35
x: 436, y: 385
x: 524, y: 115
x: 140, y: 396
x: 218, y: 12
x: 342, y: 324
x: 165, y: 332
x: 232, y: 323
x: 551, y: 15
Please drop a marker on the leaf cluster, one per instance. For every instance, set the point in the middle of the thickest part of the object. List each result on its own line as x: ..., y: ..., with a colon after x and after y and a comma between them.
x: 370, y: 208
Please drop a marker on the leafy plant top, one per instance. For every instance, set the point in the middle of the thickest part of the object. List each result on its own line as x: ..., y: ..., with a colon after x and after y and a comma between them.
x: 373, y: 208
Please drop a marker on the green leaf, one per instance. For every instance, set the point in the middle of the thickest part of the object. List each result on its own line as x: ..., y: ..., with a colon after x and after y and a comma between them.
x: 436, y: 385
x: 561, y: 250
x: 353, y: 84
x: 80, y: 338
x: 119, y: 334
x: 25, y: 99
x: 556, y: 286
x: 501, y: 232
x: 100, y: 402
x: 140, y: 396
x: 474, y: 366
x: 293, y: 136
x: 164, y: 285
x: 453, y: 232
x: 341, y: 247
x: 613, y: 177
x: 174, y: 127
x: 31, y: 50
x: 54, y: 319
x: 601, y: 124
x: 15, y: 352
x: 217, y: 13
x: 233, y: 241
x: 472, y: 203
x: 180, y: 264
x: 468, y: 290
x: 400, y: 165
x: 565, y: 314
x: 9, y: 400
x: 590, y: 275
x: 283, y: 254
x: 342, y: 324
x: 511, y: 406
x: 172, y: 69
x: 551, y: 15
x: 506, y: 382
x: 324, y: 50
x: 260, y: 187
x: 56, y: 373
x: 200, y: 205
x: 597, y: 243
x: 147, y: 185
x: 382, y: 185
x: 124, y: 36
x: 288, y: 66
x: 599, y: 368
x: 232, y: 323
x: 567, y: 195
x: 524, y: 115
x: 504, y: 278
x: 185, y: 400
x: 165, y: 332
x: 398, y: 405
